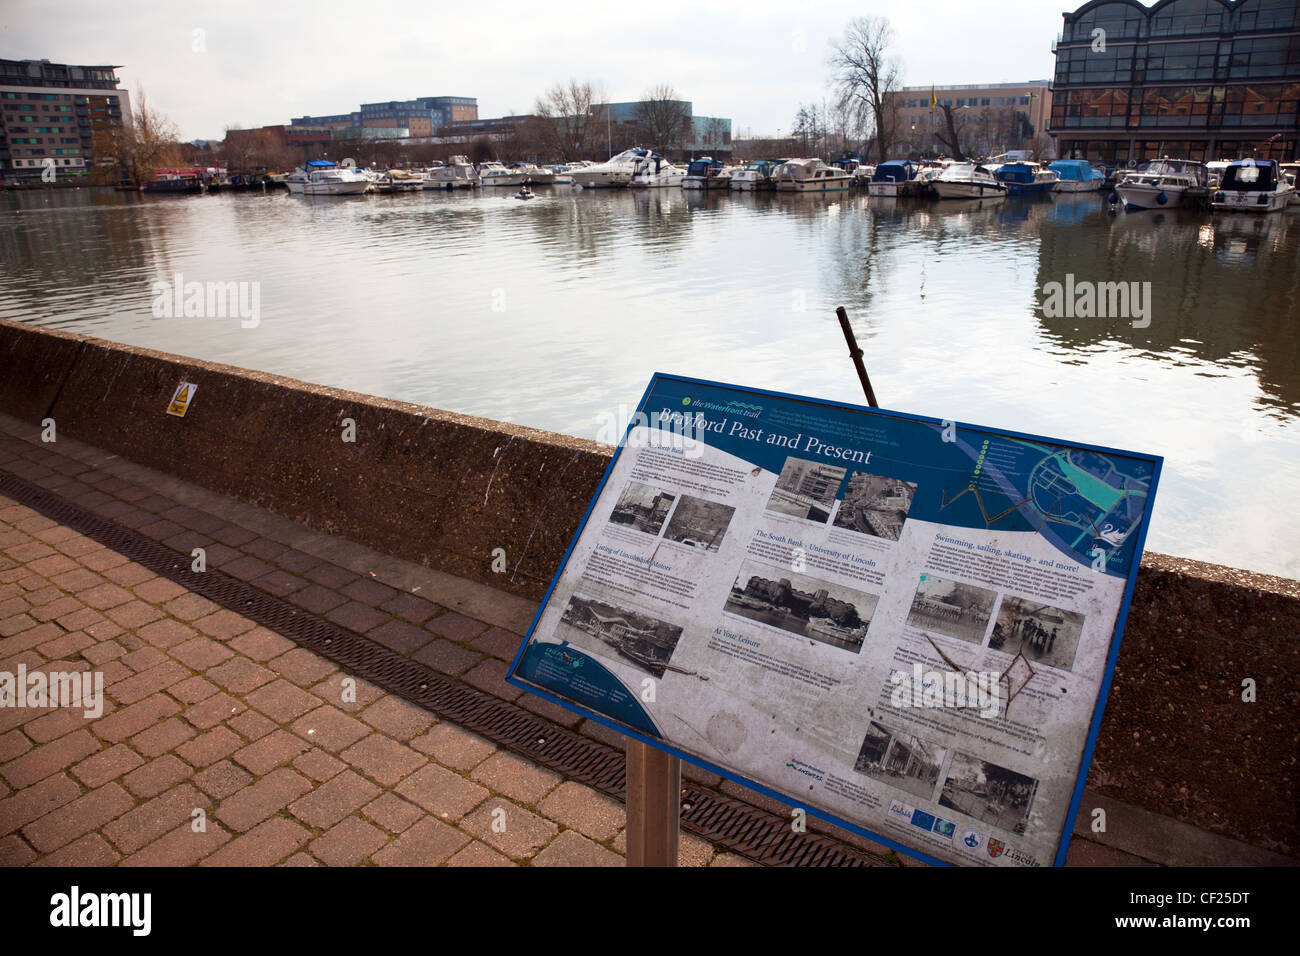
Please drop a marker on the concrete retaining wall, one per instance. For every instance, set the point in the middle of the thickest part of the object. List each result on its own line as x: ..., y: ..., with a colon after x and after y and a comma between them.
x: 446, y: 490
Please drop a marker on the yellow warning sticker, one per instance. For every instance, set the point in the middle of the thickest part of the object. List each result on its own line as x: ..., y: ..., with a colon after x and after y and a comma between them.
x: 180, y: 403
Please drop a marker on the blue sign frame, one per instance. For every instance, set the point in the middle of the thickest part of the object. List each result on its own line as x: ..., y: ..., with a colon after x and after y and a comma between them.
x: 638, y: 725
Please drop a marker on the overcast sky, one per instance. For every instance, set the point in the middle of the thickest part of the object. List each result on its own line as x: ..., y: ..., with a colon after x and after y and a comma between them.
x: 754, y: 62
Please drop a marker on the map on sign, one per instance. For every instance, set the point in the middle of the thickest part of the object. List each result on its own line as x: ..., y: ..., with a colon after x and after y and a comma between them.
x: 903, y: 625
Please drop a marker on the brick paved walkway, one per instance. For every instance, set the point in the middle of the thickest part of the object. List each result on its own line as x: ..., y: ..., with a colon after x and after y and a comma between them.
x: 207, y: 711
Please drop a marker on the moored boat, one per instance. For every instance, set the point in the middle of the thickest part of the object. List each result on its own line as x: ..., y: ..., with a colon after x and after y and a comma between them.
x: 1251, y: 185
x: 322, y: 177
x: 456, y: 174
x: 615, y: 172
x: 1076, y: 176
x: 758, y: 175
x: 496, y: 174
x: 1025, y: 178
x: 654, y: 172
x: 706, y: 173
x: 535, y: 175
x: 894, y: 177
x: 810, y: 176
x: 1163, y: 184
x: 967, y: 181
x: 398, y: 181
x: 1291, y: 173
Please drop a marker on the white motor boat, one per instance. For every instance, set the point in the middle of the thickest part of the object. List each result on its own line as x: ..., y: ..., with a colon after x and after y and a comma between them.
x: 1252, y: 185
x: 535, y: 175
x: 321, y: 177
x: 810, y: 176
x: 496, y: 174
x: 756, y: 176
x: 654, y: 172
x: 398, y: 181
x: 563, y: 174
x: 706, y: 173
x: 1291, y: 173
x: 617, y: 171
x: 456, y: 174
x: 1162, y: 184
x: 967, y: 181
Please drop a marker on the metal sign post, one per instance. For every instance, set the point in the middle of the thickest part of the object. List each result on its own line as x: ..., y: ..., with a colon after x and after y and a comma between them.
x: 654, y: 787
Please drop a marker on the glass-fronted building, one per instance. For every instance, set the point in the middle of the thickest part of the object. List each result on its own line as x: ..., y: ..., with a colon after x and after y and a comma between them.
x: 1197, y: 79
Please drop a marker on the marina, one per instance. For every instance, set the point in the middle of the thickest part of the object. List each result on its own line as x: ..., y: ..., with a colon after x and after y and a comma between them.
x: 391, y: 295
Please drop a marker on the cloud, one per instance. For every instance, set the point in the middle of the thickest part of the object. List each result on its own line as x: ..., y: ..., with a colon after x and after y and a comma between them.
x: 266, y: 63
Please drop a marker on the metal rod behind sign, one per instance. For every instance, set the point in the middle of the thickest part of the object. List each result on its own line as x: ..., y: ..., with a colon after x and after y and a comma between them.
x: 855, y: 353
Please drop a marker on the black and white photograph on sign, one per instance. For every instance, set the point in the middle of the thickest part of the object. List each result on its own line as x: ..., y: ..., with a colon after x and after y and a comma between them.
x: 699, y: 523
x: 875, y: 505
x: 1042, y: 633
x: 995, y: 795
x: 609, y: 630
x: 900, y: 760
x: 806, y: 489
x: 829, y: 613
x: 642, y: 508
x: 958, y: 610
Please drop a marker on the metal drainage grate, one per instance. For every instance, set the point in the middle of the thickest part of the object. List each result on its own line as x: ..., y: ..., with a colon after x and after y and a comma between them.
x: 725, y: 821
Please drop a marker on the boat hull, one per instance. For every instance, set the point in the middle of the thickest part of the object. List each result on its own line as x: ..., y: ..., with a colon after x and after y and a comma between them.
x: 958, y: 190
x: 814, y: 186
x: 1136, y: 197
x: 1029, y: 189
x: 1243, y: 201
x: 1077, y: 186
x: 334, y: 189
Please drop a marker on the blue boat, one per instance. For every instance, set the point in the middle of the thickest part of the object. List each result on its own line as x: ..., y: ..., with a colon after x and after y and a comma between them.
x: 894, y: 177
x: 706, y: 173
x: 1077, y: 176
x: 1026, y: 178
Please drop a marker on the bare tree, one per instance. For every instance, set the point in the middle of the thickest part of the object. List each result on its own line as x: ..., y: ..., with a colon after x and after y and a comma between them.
x: 139, y: 149
x: 865, y: 73
x: 950, y: 135
x: 662, y: 120
x: 569, y: 118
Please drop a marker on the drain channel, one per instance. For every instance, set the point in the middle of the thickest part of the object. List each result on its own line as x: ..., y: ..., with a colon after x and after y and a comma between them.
x: 725, y: 821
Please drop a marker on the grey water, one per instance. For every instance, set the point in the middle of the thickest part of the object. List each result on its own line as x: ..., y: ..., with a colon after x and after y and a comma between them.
x: 555, y: 312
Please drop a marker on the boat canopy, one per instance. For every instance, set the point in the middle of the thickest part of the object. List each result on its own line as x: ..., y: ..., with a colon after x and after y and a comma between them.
x: 1250, y: 175
x: 703, y: 167
x: 321, y: 164
x: 1075, y: 171
x: 1018, y: 172
x: 896, y: 171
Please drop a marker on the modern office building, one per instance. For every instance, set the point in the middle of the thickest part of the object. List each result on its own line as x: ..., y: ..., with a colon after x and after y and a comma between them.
x: 700, y: 134
x: 422, y: 116
x: 50, y: 114
x: 1197, y: 79
x: 990, y: 118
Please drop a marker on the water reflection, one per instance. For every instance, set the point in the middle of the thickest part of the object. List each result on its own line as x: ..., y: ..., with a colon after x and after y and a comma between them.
x: 554, y: 311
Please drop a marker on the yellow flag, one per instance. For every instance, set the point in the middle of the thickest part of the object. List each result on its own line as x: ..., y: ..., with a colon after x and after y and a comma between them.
x: 933, y: 102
